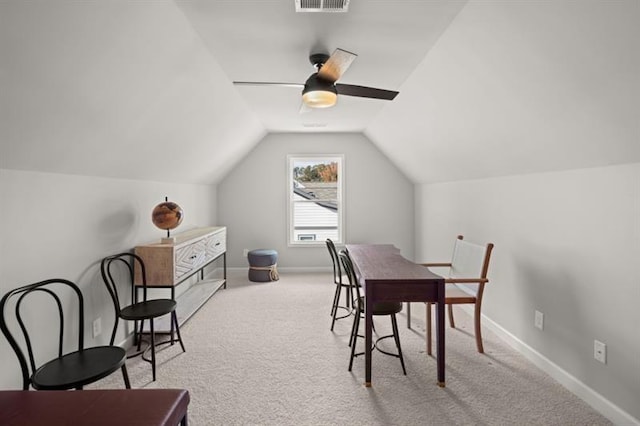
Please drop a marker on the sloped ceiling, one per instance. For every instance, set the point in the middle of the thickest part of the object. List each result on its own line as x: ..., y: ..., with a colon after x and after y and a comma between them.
x: 122, y: 89
x: 143, y: 89
x: 520, y: 87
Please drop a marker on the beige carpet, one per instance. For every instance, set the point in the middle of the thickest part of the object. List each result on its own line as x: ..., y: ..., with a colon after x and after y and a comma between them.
x: 262, y: 354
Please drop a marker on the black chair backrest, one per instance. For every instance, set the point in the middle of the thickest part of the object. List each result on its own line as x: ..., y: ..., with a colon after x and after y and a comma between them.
x: 337, y: 271
x: 54, y: 289
x: 351, y: 275
x: 111, y: 270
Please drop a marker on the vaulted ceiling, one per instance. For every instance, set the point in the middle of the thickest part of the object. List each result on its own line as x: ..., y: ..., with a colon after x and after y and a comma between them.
x: 143, y: 89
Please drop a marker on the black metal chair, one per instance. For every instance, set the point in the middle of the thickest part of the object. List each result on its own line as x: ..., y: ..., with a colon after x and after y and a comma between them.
x: 379, y: 308
x: 337, y: 279
x: 70, y: 370
x: 111, y: 268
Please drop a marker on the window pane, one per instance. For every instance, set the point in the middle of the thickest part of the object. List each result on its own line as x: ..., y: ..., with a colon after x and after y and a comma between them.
x: 309, y: 173
x: 315, y: 221
x: 315, y: 199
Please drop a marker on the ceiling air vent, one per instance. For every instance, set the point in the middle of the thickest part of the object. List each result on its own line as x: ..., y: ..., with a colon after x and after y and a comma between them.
x: 322, y: 5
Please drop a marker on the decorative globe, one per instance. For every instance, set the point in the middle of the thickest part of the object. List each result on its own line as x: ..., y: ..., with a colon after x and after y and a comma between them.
x: 167, y: 215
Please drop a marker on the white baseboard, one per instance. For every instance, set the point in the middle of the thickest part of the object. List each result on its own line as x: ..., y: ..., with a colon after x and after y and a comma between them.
x: 599, y: 403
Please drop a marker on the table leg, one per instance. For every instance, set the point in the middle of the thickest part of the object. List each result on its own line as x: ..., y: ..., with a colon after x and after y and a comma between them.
x: 440, y: 338
x: 224, y: 260
x: 368, y: 326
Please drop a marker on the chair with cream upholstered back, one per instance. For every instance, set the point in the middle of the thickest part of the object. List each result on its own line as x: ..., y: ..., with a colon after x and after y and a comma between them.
x: 464, y: 282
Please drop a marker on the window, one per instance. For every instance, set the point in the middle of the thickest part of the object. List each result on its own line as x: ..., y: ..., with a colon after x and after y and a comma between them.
x: 315, y: 199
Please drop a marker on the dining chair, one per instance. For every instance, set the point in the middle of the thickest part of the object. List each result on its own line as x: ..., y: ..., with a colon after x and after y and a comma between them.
x: 139, y: 312
x: 379, y: 309
x: 340, y: 285
x: 29, y: 324
x: 464, y: 283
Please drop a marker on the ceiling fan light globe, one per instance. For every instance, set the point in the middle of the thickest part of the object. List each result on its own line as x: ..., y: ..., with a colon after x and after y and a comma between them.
x: 319, y: 98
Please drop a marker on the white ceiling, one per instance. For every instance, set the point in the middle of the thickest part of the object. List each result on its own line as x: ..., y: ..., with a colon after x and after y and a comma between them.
x: 142, y: 89
x: 268, y: 41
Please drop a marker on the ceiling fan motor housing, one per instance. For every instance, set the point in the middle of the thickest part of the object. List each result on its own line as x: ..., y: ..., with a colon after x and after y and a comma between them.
x: 318, y: 59
x: 319, y: 93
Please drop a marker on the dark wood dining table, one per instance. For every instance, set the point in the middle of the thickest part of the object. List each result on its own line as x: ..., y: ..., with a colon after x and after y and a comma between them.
x: 386, y: 275
x: 95, y: 407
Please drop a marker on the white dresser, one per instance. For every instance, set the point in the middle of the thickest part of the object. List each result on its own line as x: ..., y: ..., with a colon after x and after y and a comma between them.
x: 170, y: 264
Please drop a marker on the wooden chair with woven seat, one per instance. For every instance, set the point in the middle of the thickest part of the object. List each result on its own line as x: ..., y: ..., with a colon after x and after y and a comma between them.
x: 464, y: 283
x: 138, y: 311
x: 71, y: 370
x: 379, y: 309
x: 340, y: 285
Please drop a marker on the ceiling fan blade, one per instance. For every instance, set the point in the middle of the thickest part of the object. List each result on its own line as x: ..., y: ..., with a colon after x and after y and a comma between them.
x: 365, y: 92
x: 336, y: 65
x: 261, y: 83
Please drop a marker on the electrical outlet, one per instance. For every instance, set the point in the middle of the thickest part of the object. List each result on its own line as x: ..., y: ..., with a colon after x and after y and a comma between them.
x: 245, y: 252
x: 538, y: 321
x: 600, y: 351
x: 97, y: 327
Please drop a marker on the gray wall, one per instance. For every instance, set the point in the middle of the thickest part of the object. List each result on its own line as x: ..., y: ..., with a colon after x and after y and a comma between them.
x: 566, y: 244
x: 252, y: 199
x: 61, y: 226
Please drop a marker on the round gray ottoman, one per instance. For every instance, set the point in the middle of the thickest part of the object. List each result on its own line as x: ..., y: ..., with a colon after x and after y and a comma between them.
x: 263, y: 265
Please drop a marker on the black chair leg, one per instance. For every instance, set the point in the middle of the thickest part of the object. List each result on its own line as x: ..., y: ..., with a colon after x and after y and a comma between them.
x: 354, y: 336
x: 115, y: 328
x: 173, y: 327
x: 354, y: 329
x: 396, y: 336
x: 153, y: 349
x: 174, y: 316
x: 125, y: 376
x: 347, y: 297
x: 138, y: 335
x: 334, y: 304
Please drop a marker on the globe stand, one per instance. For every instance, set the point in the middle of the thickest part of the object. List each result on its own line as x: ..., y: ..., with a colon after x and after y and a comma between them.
x: 169, y: 239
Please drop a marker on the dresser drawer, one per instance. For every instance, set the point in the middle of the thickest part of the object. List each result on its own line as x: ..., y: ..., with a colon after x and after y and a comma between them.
x: 215, y: 245
x: 189, y: 258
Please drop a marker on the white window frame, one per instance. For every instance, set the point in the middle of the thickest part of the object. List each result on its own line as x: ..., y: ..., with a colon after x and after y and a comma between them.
x: 297, y: 158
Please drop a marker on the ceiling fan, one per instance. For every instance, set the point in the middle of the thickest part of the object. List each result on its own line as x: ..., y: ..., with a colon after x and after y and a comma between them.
x: 321, y: 90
